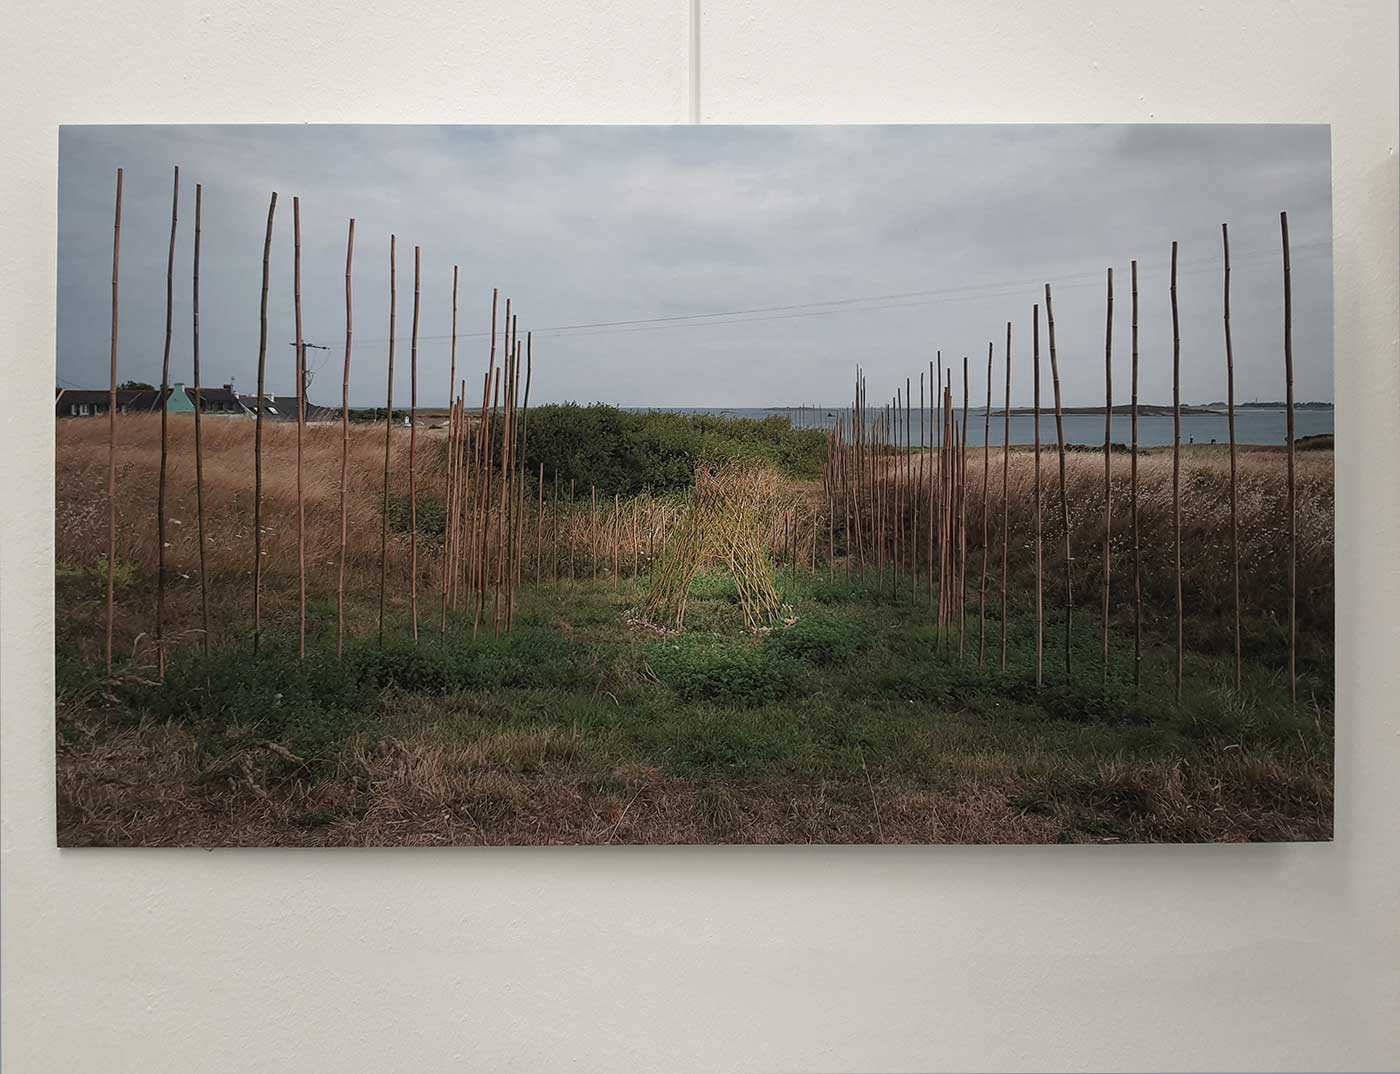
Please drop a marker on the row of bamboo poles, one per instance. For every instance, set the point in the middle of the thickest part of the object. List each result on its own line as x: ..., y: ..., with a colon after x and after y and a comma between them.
x: 486, y: 535
x: 482, y: 555
x: 903, y: 511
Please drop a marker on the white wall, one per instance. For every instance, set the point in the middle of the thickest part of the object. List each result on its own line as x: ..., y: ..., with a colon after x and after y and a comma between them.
x: 1271, y: 957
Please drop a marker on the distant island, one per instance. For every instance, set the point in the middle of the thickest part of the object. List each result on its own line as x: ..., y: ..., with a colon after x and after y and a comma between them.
x: 1145, y: 410
x: 1152, y: 410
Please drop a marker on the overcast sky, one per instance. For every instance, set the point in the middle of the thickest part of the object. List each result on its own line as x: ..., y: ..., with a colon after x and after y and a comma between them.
x: 581, y: 225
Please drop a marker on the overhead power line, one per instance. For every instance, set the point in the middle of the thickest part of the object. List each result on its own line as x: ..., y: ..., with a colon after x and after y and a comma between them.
x: 854, y: 304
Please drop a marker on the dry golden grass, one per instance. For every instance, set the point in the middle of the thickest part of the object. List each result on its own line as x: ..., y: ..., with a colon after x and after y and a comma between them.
x: 228, y: 473
x: 1205, y: 515
x: 81, y: 527
x: 147, y: 786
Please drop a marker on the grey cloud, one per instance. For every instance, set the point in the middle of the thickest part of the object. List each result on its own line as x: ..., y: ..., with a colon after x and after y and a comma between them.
x: 587, y: 224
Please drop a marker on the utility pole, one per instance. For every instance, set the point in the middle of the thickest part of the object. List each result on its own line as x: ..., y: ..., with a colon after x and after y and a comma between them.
x: 307, y: 372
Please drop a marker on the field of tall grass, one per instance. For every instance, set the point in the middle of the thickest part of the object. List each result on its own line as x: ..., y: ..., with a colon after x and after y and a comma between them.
x: 850, y: 721
x: 81, y: 521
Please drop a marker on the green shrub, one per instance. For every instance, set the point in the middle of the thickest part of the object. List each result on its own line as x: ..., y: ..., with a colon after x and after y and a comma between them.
x: 311, y: 705
x: 627, y: 452
x: 702, y: 667
x: 818, y: 639
x: 1089, y: 701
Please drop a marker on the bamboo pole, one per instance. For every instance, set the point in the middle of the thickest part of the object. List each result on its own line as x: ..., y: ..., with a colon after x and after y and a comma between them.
x: 450, y: 508
x: 1039, y: 520
x: 465, y: 450
x: 962, y: 514
x: 593, y: 534
x: 945, y: 504
x: 928, y: 484
x: 481, y: 499
x: 539, y: 527
x: 301, y: 412
x: 911, y: 502
x: 947, y: 597
x: 165, y: 427
x: 1064, y: 487
x: 504, y: 553
x: 1107, y: 468
x: 388, y: 430
x: 524, y: 458
x: 1176, y: 473
x: 257, y: 431
x: 1005, y: 496
x: 617, y: 537
x: 413, y: 444
x: 198, y: 439
x: 344, y: 444
x: 488, y: 426
x: 918, y: 486
x: 112, y: 430
x: 1234, y: 494
x: 942, y: 437
x: 507, y: 392
x: 1292, y: 470
x: 1133, y: 496
x: 986, y: 480
x: 449, y: 529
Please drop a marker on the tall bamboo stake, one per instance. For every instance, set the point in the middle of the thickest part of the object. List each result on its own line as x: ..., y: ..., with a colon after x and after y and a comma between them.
x: 1107, y: 467
x: 986, y: 479
x: 488, y: 426
x: 463, y: 487
x: 1292, y: 473
x: 482, y: 500
x: 945, y: 509
x: 1064, y: 487
x: 1005, y: 497
x: 1039, y: 521
x: 539, y: 526
x: 962, y: 515
x: 388, y: 431
x: 449, y: 496
x: 165, y: 427
x: 1234, y: 496
x: 617, y: 537
x: 507, y: 388
x: 301, y: 414
x: 911, y: 500
x: 198, y: 439
x: 918, y: 486
x: 344, y: 444
x: 450, y: 512
x: 413, y: 445
x: 928, y: 484
x: 942, y: 439
x: 257, y: 431
x: 1133, y: 495
x: 524, y: 447
x: 1176, y: 474
x: 112, y: 431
